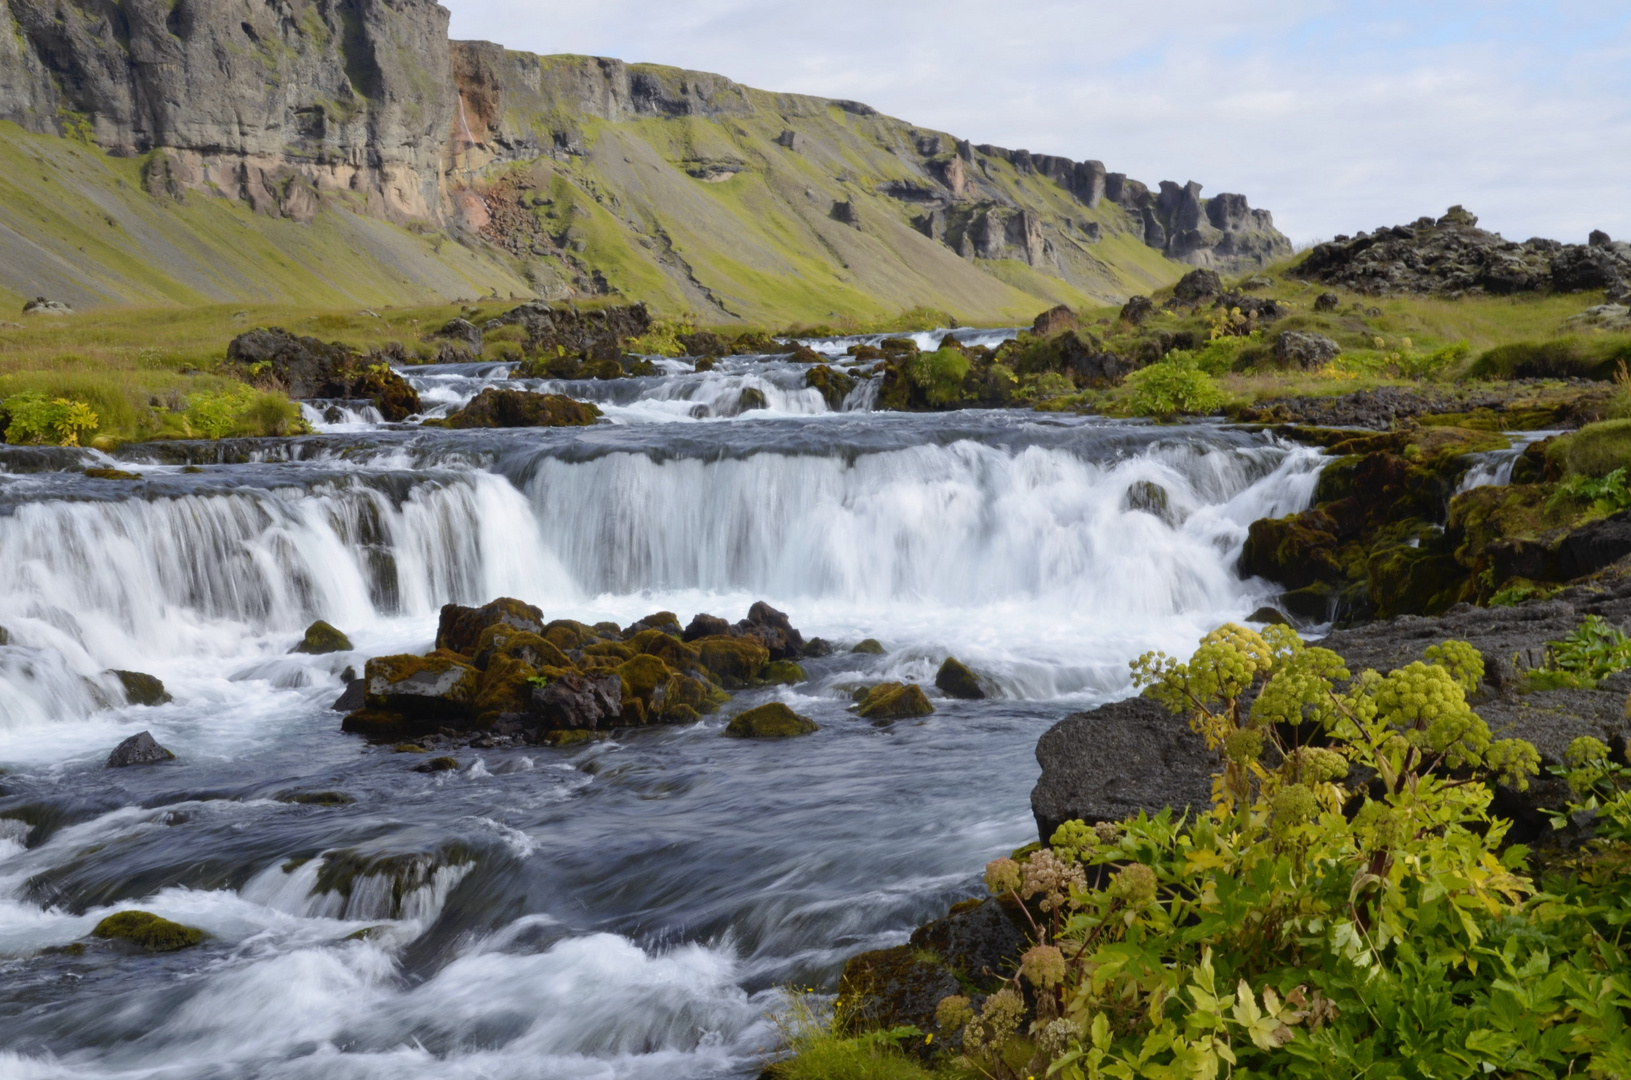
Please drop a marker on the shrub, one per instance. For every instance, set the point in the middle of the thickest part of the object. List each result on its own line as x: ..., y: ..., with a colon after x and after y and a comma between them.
x: 35, y: 418
x: 1344, y: 908
x: 213, y: 414
x: 1173, y: 387
x: 270, y: 414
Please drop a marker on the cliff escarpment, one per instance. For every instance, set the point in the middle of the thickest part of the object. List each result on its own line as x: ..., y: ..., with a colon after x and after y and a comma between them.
x: 556, y: 175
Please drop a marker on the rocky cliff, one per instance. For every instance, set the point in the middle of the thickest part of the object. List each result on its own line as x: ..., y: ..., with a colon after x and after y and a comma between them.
x: 588, y: 175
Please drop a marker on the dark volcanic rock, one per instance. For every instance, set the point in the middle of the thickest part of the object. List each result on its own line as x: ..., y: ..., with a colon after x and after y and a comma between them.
x: 304, y: 367
x: 597, y: 334
x: 500, y: 408
x: 579, y: 702
x: 954, y: 679
x: 462, y: 332
x: 772, y: 628
x: 1116, y: 760
x: 704, y: 625
x: 1452, y: 256
x: 1197, y: 287
x: 459, y: 628
x: 139, y: 749
x: 1055, y: 320
x: 1591, y: 547
x: 353, y: 698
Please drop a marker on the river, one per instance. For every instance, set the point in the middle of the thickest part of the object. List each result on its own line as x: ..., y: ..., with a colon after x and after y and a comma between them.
x: 632, y: 908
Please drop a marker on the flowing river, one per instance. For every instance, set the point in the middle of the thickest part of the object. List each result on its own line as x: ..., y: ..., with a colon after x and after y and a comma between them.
x: 633, y: 908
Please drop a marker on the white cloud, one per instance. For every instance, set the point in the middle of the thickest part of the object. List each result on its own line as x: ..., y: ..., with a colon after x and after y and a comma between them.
x: 1336, y: 116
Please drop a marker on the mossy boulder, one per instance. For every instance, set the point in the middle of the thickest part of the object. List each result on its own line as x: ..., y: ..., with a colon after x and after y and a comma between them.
x: 142, y: 688
x: 505, y: 690
x: 869, y: 647
x: 568, y: 635
x: 894, y: 701
x: 771, y: 721
x: 460, y: 628
x: 733, y: 661
x: 500, y: 408
x: 322, y: 638
x: 616, y: 651
x: 889, y: 988
x: 954, y: 679
x: 641, y: 676
x: 148, y: 931
x: 1598, y: 449
x: 783, y: 673
x: 833, y: 385
x: 507, y: 642
x: 667, y: 647
x: 432, y: 689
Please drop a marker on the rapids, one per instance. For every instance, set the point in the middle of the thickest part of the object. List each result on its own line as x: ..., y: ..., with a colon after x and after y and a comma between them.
x: 633, y: 908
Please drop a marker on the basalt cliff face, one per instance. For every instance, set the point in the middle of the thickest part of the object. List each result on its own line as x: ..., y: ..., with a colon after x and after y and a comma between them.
x: 569, y: 175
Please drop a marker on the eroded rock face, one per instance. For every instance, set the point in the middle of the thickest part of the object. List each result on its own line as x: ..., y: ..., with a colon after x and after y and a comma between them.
x: 246, y: 100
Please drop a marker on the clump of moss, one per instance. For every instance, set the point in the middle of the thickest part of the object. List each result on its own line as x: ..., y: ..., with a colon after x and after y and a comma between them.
x: 148, y: 931
x: 894, y: 701
x: 320, y: 638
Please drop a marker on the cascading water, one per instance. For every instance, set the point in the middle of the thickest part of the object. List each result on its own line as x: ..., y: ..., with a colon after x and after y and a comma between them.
x: 624, y: 909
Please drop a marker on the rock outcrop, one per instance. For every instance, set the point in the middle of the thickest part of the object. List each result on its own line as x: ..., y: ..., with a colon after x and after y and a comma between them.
x: 304, y: 367
x: 1451, y: 256
x: 276, y: 104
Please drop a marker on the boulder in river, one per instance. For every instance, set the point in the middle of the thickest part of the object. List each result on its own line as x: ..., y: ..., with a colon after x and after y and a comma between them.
x: 954, y: 679
x: 499, y: 408
x: 321, y: 638
x: 140, y: 749
x: 894, y: 701
x: 142, y: 688
x: 575, y: 702
x: 773, y: 629
x: 772, y: 721
x: 460, y: 628
x: 704, y: 625
x: 148, y: 931
x: 869, y: 647
x: 429, y: 689
x: 304, y: 367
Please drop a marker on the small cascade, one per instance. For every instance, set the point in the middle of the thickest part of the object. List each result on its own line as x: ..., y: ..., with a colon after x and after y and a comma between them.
x: 1494, y: 468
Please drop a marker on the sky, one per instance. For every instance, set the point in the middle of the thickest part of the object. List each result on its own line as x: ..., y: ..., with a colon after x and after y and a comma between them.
x: 1335, y: 116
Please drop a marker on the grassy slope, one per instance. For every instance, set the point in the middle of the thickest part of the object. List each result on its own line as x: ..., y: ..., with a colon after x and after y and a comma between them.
x: 76, y: 225
x: 762, y: 246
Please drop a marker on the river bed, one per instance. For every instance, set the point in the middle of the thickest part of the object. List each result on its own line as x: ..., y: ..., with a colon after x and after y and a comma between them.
x: 632, y: 908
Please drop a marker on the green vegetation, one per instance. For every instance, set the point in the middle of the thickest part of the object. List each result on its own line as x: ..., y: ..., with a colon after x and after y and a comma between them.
x: 1173, y: 386
x: 1348, y: 905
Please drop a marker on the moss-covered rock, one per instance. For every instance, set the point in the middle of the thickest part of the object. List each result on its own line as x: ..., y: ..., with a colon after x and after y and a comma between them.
x: 434, y: 689
x: 733, y: 661
x: 460, y: 628
x: 889, y: 988
x: 954, y: 679
x: 501, y: 408
x: 771, y: 721
x: 438, y: 764
x: 569, y: 635
x: 833, y: 385
x: 142, y: 688
x: 506, y: 641
x: 642, y: 675
x: 147, y: 931
x: 682, y: 700
x: 894, y: 701
x: 783, y: 673
x: 322, y: 638
x: 667, y: 647
x: 505, y: 690
x: 616, y: 651
x: 869, y: 647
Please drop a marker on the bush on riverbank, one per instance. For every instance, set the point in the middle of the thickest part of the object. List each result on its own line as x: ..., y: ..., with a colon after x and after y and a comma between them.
x: 1346, y: 907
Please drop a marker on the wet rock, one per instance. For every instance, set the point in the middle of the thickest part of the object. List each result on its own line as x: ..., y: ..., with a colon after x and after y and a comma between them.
x: 316, y: 798
x: 460, y: 628
x: 815, y: 648
x: 579, y: 702
x: 1151, y: 498
x: 750, y: 398
x: 869, y: 647
x: 353, y: 697
x: 112, y: 474
x: 1303, y: 349
x: 956, y: 680
x: 462, y: 332
x: 834, y: 385
x: 495, y: 407
x: 894, y: 701
x: 437, y: 764
x: 433, y: 689
x: 322, y: 638
x: 772, y: 721
x: 147, y: 931
x: 734, y: 661
x: 139, y: 749
x: 1116, y: 760
x: 142, y: 688
x: 703, y: 625
x: 773, y: 629
x: 895, y: 987
x: 1268, y: 616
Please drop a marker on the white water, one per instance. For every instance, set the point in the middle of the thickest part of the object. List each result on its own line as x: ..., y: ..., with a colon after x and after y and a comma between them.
x: 624, y: 911
x: 1494, y: 468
